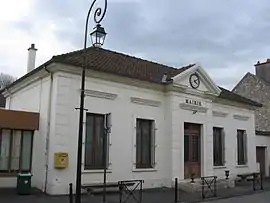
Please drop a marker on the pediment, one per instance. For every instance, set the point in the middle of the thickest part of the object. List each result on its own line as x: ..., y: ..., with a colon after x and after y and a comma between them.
x: 196, y: 80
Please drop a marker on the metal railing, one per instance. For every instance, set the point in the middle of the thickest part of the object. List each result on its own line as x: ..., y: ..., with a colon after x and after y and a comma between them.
x: 257, y: 181
x: 129, y: 189
x: 209, y: 185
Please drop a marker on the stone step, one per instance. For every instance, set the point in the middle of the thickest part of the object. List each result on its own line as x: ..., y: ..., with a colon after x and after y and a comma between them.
x: 197, y: 186
x: 98, y: 191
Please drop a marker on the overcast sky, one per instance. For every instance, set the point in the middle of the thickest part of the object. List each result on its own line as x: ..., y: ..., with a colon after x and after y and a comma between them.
x: 226, y: 37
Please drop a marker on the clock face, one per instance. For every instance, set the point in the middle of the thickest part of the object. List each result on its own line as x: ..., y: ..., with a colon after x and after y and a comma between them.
x: 194, y: 80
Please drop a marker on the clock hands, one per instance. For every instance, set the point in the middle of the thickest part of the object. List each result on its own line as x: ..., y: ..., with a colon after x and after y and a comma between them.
x: 196, y: 81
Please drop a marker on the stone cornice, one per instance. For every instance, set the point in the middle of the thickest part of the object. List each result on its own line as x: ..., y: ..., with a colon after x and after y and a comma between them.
x: 99, y: 94
x: 240, y: 117
x: 219, y: 114
x: 147, y: 102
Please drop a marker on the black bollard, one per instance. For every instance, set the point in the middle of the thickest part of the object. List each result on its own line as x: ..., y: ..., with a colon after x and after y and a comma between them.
x: 254, y: 181
x: 261, y: 176
x: 176, y: 190
x: 70, y: 193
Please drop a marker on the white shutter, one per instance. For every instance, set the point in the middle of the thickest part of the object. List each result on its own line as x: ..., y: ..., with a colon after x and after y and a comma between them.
x: 137, y: 146
x: 153, y: 144
x: 138, y: 132
x: 108, y: 122
x: 107, y: 128
x: 223, y: 147
x: 245, y: 147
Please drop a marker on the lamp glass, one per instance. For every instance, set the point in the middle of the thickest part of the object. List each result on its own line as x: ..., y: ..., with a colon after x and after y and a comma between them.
x: 98, y: 36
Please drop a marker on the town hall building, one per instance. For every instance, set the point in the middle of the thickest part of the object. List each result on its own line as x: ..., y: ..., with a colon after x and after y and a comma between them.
x: 166, y: 123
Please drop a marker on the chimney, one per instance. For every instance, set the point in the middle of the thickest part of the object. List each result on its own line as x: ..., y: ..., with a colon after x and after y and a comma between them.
x: 31, y: 58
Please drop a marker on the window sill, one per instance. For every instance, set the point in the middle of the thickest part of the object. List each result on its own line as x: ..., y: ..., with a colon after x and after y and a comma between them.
x: 220, y: 167
x: 96, y: 171
x: 241, y: 166
x: 144, y: 170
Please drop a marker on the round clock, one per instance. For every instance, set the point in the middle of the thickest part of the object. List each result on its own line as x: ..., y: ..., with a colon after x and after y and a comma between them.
x: 194, y: 80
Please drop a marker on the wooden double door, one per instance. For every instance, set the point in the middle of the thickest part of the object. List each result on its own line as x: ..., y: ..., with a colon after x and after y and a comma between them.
x: 192, y: 150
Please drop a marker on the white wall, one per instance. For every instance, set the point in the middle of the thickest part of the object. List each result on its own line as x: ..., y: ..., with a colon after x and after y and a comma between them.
x: 122, y: 139
x: 39, y: 146
x: 27, y: 99
x: 169, y: 119
x: 179, y: 117
x: 208, y: 121
x: 264, y: 141
x: 33, y: 98
x: 230, y: 125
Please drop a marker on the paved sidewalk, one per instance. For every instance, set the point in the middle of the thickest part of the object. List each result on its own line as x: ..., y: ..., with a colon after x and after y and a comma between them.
x: 255, y: 198
x: 158, y: 195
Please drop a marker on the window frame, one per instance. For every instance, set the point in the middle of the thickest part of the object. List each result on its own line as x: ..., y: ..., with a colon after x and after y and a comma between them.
x: 90, y: 168
x: 10, y: 172
x: 152, y: 164
x: 245, y: 148
x: 222, y: 162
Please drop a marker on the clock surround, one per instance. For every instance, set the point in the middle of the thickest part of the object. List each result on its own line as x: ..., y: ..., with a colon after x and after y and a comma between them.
x: 194, y: 80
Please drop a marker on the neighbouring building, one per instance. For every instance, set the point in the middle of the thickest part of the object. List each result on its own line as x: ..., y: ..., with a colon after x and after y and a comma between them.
x: 165, y: 122
x: 257, y: 88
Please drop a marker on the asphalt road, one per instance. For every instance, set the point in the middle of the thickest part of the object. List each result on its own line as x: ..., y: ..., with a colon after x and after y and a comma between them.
x: 263, y: 197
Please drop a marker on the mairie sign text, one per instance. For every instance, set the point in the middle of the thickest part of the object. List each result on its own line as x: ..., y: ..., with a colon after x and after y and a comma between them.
x: 193, y: 102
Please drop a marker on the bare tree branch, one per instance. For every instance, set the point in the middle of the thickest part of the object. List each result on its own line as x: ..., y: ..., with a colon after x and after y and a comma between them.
x: 6, y: 80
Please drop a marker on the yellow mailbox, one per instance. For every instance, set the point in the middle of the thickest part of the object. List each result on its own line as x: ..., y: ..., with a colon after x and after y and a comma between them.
x: 60, y: 160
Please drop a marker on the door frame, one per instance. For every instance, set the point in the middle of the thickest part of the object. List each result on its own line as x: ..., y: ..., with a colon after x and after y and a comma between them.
x: 199, y: 131
x: 266, y: 169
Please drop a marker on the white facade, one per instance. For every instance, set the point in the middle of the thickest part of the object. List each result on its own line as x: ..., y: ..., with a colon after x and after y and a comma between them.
x: 56, y: 98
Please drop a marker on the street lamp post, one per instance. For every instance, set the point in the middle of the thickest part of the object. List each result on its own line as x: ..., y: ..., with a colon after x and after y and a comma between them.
x: 97, y: 36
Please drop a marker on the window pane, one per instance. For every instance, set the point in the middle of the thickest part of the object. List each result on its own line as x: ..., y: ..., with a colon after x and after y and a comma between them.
x: 26, y: 151
x: 16, y: 148
x: 241, y: 147
x: 88, y: 142
x: 138, y: 143
x: 4, y: 149
x: 94, y: 141
x: 146, y: 135
x: 99, y: 125
x: 218, y: 146
x: 144, y: 143
x: 186, y: 148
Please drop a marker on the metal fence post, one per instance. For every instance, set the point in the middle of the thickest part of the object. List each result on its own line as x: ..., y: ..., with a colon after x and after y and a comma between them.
x: 215, y: 186
x: 121, y: 191
x: 141, y: 190
x: 176, y: 190
x: 254, y: 182
x: 70, y: 193
x: 261, y: 180
x: 203, y: 195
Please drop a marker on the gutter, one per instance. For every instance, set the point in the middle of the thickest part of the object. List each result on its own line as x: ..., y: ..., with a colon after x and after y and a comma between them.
x: 48, y: 130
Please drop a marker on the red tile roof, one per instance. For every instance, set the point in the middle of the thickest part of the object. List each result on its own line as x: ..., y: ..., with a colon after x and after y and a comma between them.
x: 128, y: 66
x: 120, y: 64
